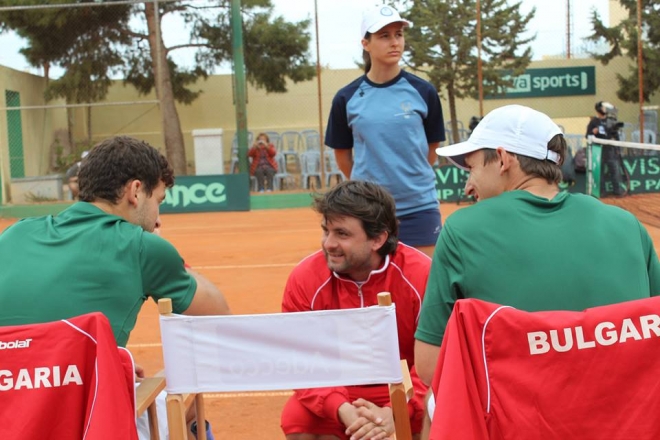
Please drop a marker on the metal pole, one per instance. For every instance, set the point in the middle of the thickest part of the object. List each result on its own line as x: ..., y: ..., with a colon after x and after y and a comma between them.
x: 239, y: 79
x: 640, y: 72
x: 568, y: 29
x: 319, y: 95
x: 158, y: 78
x: 3, y: 192
x: 480, y: 78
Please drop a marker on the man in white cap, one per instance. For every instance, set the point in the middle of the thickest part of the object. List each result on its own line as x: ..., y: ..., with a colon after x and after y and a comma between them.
x: 525, y: 243
x: 385, y: 125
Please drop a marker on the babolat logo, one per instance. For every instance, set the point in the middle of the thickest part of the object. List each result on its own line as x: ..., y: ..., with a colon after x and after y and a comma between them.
x: 196, y: 194
x: 25, y: 343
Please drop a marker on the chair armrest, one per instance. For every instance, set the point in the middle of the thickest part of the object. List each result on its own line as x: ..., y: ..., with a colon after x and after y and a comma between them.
x: 147, y: 391
x: 407, y: 381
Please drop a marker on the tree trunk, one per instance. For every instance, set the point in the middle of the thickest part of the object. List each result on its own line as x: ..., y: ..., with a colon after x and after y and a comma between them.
x: 89, y: 126
x: 70, y: 126
x: 47, y: 72
x: 452, y: 114
x: 174, y: 146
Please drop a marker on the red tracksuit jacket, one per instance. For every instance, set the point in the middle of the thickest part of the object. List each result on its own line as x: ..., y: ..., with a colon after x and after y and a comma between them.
x: 507, y: 374
x: 65, y: 380
x: 312, y: 286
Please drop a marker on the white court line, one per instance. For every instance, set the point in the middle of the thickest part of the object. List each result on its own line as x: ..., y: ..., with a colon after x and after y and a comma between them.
x: 211, y: 230
x: 244, y: 266
x: 146, y: 345
x: 257, y: 394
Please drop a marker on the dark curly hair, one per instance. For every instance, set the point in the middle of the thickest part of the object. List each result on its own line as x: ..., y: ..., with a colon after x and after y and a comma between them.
x: 114, y: 162
x: 368, y: 202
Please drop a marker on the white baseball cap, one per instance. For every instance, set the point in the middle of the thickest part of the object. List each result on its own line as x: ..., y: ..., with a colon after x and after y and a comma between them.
x: 377, y: 17
x: 516, y: 128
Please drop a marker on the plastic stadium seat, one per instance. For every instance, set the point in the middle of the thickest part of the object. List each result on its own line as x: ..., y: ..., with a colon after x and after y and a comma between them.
x: 332, y: 169
x: 291, y: 145
x: 312, y: 140
x: 310, y: 168
x: 282, y: 179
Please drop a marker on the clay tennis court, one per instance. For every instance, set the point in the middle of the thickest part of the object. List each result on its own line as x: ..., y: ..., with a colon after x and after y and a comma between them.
x: 249, y: 255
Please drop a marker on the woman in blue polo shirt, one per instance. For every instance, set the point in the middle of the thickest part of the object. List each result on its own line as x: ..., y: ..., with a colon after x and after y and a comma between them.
x: 386, y: 125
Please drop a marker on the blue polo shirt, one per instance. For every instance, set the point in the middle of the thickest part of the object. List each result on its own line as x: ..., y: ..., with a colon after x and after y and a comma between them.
x: 389, y: 127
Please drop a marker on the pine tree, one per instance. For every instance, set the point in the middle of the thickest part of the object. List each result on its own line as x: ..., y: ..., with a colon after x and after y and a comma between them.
x: 443, y: 44
x: 78, y: 40
x: 90, y: 50
x: 622, y: 39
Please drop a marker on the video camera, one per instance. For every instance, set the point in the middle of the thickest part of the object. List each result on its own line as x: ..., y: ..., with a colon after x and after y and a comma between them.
x: 474, y: 121
x: 611, y: 123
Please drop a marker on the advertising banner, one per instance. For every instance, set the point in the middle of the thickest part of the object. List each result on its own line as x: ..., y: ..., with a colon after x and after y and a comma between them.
x: 641, y: 175
x: 222, y: 192
x: 560, y: 81
x: 450, y: 183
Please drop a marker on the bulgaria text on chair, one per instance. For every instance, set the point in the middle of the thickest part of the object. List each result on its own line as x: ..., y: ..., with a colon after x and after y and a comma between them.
x: 66, y: 379
x: 506, y: 373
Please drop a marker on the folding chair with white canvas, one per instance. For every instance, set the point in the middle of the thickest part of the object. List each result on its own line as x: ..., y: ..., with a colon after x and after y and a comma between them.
x: 240, y: 353
x: 147, y: 392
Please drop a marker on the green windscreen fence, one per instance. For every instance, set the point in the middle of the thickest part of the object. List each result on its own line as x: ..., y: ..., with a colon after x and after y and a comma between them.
x: 15, y: 135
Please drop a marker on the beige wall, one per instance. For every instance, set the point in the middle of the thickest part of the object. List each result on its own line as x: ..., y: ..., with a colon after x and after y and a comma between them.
x: 573, y: 112
x: 295, y: 110
x: 39, y: 125
x: 617, y: 12
x: 298, y: 109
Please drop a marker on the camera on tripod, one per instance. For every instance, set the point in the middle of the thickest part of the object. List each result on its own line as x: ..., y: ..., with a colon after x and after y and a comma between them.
x: 474, y: 121
x: 611, y: 123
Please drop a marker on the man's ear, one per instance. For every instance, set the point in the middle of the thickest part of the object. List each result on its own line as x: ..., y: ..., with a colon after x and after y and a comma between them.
x: 133, y: 191
x: 380, y: 240
x: 505, y: 159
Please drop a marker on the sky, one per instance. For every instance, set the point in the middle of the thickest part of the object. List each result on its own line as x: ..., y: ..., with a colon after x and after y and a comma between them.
x: 339, y: 30
x: 339, y: 25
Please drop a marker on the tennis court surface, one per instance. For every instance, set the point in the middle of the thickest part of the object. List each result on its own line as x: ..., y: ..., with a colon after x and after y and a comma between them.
x: 249, y: 255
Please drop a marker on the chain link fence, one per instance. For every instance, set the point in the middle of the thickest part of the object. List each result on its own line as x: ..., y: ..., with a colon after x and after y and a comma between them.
x: 90, y: 70
x: 59, y: 103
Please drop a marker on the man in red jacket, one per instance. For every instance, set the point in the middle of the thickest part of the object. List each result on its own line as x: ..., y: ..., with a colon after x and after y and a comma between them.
x: 360, y: 257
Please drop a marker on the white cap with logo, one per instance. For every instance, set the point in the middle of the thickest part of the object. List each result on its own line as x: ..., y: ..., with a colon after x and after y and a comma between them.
x: 377, y: 17
x: 516, y: 128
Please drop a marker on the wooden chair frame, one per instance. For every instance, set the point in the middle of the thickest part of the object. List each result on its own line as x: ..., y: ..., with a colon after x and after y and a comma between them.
x: 179, y: 404
x: 146, y: 394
